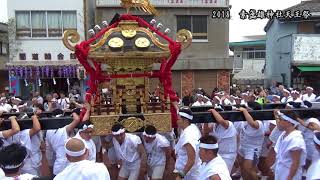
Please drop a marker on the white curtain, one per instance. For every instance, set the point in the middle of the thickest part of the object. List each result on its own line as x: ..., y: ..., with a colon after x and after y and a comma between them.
x: 23, y: 19
x: 38, y: 19
x: 54, y: 23
x: 69, y: 20
x: 23, y: 23
x: 38, y: 22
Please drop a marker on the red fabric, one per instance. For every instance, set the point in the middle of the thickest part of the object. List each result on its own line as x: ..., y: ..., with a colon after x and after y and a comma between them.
x: 164, y: 74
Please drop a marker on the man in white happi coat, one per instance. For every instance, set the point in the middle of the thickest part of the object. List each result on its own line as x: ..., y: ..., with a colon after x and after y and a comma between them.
x: 11, y: 161
x: 290, y: 149
x: 79, y: 167
x: 158, y: 152
x: 130, y: 150
x: 31, y: 139
x: 186, y: 150
x: 85, y: 133
x: 313, y: 171
x: 309, y: 96
x: 251, y: 140
x: 55, y: 140
x: 226, y: 134
x: 213, y: 166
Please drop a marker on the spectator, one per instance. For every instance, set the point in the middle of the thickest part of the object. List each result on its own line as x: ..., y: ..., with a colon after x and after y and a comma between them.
x: 38, y: 97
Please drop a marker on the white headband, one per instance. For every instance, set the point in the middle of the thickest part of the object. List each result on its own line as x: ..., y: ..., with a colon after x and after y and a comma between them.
x: 316, y: 140
x: 85, y: 127
x: 295, y: 92
x: 120, y: 131
x: 209, y: 146
x: 185, y: 115
x: 287, y: 118
x: 75, y: 153
x: 148, y: 135
x: 12, y: 166
x: 309, y: 88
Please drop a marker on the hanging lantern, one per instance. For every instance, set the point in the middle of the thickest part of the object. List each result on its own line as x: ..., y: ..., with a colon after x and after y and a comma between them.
x: 54, y: 81
x: 52, y: 72
x: 38, y: 72
x: 20, y: 71
x: 47, y: 71
x: 42, y: 71
x: 60, y: 72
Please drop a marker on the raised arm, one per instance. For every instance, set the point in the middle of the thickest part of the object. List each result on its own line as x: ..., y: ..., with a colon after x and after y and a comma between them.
x: 74, y: 123
x: 249, y: 118
x: 36, y: 127
x: 14, y: 127
x: 220, y: 120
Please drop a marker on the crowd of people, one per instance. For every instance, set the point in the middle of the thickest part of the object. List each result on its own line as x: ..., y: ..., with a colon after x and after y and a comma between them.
x: 287, y: 147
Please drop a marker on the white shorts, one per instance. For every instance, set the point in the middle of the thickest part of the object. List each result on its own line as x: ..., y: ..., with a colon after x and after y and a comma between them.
x: 229, y: 159
x: 250, y: 154
x: 131, y: 174
x: 156, y: 172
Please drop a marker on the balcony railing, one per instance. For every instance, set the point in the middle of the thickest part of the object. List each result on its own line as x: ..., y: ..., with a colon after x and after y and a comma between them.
x: 170, y: 3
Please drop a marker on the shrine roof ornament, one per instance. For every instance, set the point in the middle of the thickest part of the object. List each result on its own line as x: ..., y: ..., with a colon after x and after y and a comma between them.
x: 129, y: 46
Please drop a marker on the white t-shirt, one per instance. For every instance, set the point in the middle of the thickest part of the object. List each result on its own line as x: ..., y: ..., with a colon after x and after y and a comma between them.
x: 56, y: 139
x: 227, y: 138
x: 32, y: 144
x: 84, y: 170
x: 91, y: 148
x: 2, y: 175
x: 216, y: 166
x: 275, y: 134
x: 128, y: 151
x: 5, y: 107
x: 197, y: 103
x: 311, y: 98
x: 251, y: 137
x: 20, y: 177
x: 156, y: 156
x: 314, y: 171
x: 286, y: 99
x: 190, y: 135
x: 5, y: 142
x: 63, y: 103
x: 285, y: 144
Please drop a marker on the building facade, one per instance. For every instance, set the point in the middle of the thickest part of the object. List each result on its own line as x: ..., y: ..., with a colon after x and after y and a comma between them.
x: 206, y: 62
x: 4, y: 56
x: 38, y: 59
x: 292, y: 50
x: 249, y: 62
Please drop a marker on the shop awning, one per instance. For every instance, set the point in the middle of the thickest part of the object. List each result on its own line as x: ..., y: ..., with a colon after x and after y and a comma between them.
x: 309, y: 68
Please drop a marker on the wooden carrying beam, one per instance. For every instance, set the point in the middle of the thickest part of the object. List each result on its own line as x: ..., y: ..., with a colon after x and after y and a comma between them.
x: 199, y: 117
